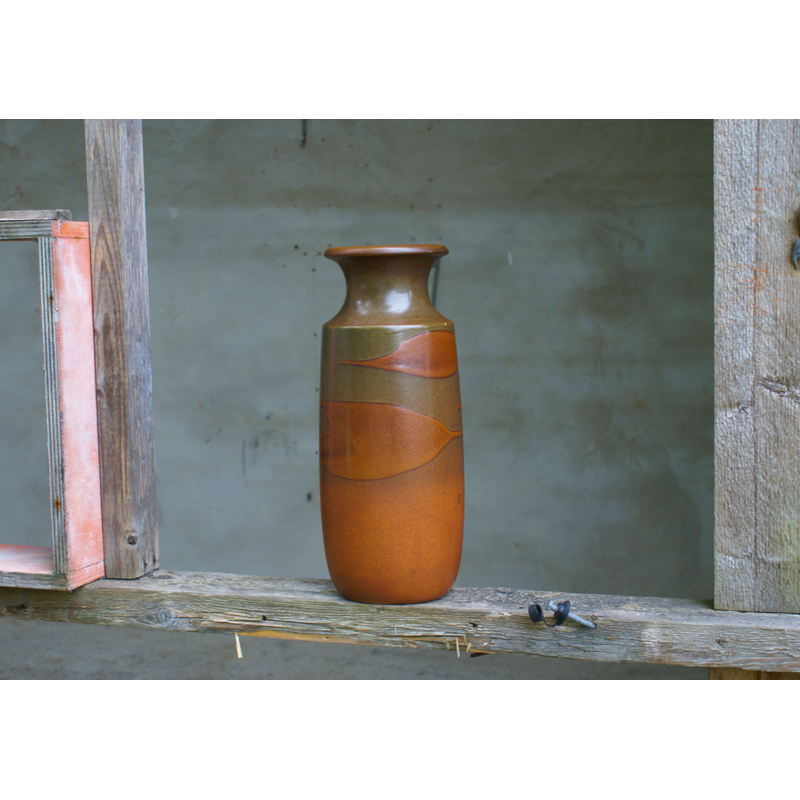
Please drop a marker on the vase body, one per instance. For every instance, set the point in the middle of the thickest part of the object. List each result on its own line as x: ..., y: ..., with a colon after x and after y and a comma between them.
x: 391, y: 447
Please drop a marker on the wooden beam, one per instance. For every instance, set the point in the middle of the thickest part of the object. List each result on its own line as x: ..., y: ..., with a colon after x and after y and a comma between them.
x: 115, y: 172
x: 757, y: 364
x: 646, y: 630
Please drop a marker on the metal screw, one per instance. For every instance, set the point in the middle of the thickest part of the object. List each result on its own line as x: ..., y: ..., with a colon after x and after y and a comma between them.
x: 565, y: 606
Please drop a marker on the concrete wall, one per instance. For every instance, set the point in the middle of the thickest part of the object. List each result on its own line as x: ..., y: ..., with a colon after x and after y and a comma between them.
x: 580, y: 282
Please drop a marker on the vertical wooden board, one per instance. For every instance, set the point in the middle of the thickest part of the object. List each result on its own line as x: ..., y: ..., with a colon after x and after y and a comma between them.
x: 757, y: 352
x: 115, y: 173
x: 52, y: 394
x: 78, y: 409
x: 735, y: 242
x: 777, y: 371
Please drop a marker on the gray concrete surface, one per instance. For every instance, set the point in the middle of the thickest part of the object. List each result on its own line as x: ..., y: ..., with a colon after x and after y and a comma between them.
x: 580, y: 281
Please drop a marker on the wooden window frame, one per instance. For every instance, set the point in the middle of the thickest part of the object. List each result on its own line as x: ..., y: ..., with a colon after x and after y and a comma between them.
x: 751, y: 630
x: 65, y: 283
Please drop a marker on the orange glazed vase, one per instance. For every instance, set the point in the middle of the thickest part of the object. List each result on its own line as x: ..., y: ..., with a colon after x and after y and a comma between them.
x: 391, y: 449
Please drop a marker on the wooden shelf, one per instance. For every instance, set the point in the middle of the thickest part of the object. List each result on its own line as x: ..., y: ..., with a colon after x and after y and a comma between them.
x: 633, y: 629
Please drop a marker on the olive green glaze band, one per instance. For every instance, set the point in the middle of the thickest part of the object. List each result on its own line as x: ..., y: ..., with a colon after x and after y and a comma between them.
x: 435, y: 397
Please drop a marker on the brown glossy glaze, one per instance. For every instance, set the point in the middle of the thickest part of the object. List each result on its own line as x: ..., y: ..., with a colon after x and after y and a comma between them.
x: 429, y: 355
x: 367, y: 441
x: 391, y: 451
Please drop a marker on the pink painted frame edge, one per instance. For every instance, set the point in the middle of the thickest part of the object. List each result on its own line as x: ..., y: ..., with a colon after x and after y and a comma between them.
x: 31, y: 566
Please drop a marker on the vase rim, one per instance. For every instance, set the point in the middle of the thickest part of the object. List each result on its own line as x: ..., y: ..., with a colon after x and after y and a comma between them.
x: 387, y: 250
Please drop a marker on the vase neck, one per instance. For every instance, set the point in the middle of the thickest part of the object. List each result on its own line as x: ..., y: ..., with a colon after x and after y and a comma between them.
x: 387, y: 290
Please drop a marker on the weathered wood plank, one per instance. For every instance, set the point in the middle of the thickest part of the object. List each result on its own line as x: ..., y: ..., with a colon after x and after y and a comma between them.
x: 115, y: 172
x: 648, y: 630
x: 29, y: 224
x: 757, y: 419
x: 24, y: 229
x: 54, y: 213
x: 757, y: 368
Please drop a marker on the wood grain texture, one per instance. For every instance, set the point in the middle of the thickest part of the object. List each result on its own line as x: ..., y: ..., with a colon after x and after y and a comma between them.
x: 81, y: 557
x: 115, y: 173
x: 757, y: 358
x: 76, y: 556
x: 646, y: 630
x: 24, y: 229
x: 54, y: 213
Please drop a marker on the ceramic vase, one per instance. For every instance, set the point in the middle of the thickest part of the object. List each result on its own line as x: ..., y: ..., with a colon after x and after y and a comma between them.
x: 391, y: 447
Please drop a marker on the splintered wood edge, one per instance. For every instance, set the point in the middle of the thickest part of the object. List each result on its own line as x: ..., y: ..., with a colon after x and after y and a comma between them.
x: 629, y: 629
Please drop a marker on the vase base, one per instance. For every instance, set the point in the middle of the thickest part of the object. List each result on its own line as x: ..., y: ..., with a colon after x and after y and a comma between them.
x: 391, y: 598
x: 397, y: 540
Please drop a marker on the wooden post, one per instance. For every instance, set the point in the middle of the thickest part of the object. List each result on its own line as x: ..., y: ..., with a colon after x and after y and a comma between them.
x: 115, y: 176
x: 757, y: 368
